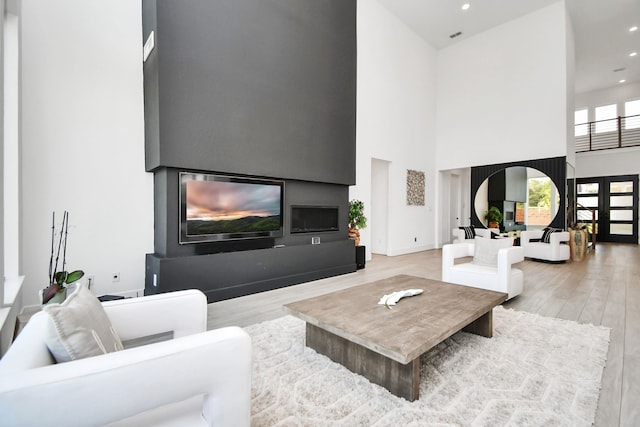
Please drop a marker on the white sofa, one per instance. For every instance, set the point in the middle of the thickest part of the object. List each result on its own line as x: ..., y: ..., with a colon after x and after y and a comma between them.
x: 196, y: 378
x: 554, y: 251
x: 501, y: 278
x: 459, y: 236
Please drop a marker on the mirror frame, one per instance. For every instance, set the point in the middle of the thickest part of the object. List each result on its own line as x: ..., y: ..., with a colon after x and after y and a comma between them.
x: 554, y: 167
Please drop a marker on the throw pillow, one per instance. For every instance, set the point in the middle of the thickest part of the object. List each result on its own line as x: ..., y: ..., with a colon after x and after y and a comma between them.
x: 469, y: 232
x: 546, y: 234
x: 79, y: 328
x: 486, y: 250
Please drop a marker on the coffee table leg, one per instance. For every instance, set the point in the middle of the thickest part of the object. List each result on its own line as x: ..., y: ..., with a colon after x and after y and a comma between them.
x: 401, y: 380
x: 482, y: 326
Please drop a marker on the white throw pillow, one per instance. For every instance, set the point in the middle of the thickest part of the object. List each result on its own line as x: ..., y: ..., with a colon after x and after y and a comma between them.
x: 486, y: 250
x: 79, y: 328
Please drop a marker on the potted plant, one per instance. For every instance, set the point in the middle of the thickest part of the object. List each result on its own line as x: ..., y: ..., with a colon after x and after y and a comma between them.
x: 57, y: 290
x: 494, y: 217
x: 357, y: 220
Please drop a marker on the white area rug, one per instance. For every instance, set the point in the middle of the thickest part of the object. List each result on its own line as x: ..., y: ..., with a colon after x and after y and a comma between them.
x: 535, y: 371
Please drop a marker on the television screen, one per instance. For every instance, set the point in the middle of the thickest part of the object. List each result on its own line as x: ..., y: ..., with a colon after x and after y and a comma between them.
x: 217, y: 207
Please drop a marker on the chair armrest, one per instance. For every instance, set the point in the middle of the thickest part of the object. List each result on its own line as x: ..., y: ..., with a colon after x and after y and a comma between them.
x: 483, y: 232
x: 527, y: 235
x: 183, y: 312
x: 509, y: 256
x: 456, y: 250
x: 560, y: 236
x: 215, y: 364
x: 450, y: 253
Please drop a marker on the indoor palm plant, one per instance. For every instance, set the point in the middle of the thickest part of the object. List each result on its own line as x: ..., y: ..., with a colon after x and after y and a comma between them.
x: 357, y: 220
x: 494, y: 217
x: 57, y: 291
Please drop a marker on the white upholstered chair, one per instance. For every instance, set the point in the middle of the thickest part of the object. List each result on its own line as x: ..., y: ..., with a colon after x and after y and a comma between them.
x: 553, y: 250
x: 460, y: 237
x: 491, y: 268
x: 197, y: 378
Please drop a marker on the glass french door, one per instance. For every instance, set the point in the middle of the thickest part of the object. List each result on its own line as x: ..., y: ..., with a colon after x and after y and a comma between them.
x: 613, y: 201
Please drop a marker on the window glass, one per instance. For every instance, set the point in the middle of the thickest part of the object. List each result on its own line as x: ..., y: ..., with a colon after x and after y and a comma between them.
x: 621, y: 215
x: 625, y: 229
x: 591, y: 188
x: 581, y: 119
x: 621, y: 187
x: 621, y: 201
x: 606, y: 118
x: 632, y: 113
x: 589, y: 202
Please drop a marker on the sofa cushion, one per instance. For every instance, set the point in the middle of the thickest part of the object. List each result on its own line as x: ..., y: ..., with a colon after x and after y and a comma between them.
x: 469, y: 232
x: 546, y: 234
x: 486, y: 250
x: 79, y: 328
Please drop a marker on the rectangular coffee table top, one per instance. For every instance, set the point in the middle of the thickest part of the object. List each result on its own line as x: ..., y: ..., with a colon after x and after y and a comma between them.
x: 409, y: 328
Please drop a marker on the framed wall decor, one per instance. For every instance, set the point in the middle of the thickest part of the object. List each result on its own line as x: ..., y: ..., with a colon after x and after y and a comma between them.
x: 415, y: 188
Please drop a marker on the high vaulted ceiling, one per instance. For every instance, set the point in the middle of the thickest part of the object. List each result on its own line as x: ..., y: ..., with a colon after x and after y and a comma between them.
x: 601, y: 30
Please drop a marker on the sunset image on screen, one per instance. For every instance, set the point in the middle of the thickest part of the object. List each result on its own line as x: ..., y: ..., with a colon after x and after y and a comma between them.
x: 214, y: 207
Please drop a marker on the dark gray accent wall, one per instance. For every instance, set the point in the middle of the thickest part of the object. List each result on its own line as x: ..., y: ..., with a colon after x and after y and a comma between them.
x: 233, y: 274
x: 252, y: 87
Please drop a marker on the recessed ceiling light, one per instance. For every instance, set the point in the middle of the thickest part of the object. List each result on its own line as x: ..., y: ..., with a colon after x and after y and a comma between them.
x: 634, y: 28
x: 632, y: 54
x: 621, y: 81
x: 466, y: 6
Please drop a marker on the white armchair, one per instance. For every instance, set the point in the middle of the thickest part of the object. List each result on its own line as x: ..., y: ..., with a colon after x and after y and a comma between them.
x: 459, y: 235
x: 197, y: 378
x: 554, y: 251
x: 500, y: 277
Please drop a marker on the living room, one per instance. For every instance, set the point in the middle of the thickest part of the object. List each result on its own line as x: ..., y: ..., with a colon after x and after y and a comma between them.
x: 82, y: 128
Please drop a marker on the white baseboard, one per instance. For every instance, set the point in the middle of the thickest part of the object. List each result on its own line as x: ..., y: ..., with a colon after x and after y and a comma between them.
x: 413, y: 249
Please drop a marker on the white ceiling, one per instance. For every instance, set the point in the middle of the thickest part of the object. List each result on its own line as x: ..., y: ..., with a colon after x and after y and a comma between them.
x: 601, y: 31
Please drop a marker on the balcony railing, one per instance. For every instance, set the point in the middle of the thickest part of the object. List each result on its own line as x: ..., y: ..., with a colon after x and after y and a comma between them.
x: 606, y: 134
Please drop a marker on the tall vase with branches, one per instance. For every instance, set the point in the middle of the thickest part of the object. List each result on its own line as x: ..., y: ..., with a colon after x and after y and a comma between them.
x: 58, y: 279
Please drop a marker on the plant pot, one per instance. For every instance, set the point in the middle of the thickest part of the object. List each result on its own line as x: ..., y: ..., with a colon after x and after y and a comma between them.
x: 578, y: 244
x: 493, y: 224
x: 354, y: 234
x: 54, y: 294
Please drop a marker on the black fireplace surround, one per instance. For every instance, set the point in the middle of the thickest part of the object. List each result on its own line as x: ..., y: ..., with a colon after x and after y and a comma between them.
x: 272, y: 98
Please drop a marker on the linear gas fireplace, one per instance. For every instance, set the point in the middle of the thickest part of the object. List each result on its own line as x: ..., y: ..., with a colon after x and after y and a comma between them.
x: 314, y: 219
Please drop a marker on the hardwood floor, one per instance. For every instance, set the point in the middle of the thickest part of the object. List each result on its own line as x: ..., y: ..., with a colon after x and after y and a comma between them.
x: 604, y: 289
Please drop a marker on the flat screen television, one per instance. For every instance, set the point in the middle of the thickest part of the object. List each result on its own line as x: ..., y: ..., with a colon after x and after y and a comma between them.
x: 216, y: 208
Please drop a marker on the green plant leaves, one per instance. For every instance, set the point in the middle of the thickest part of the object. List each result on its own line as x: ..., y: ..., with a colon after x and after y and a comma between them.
x: 63, y: 277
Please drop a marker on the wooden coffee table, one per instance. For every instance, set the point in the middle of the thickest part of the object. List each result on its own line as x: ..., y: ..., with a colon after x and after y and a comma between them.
x: 384, y: 345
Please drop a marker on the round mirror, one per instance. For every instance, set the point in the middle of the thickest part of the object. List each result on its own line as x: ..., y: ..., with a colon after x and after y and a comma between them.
x: 526, y: 199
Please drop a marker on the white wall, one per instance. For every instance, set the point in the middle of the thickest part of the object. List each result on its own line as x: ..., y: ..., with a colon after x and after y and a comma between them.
x: 83, y: 141
x: 395, y: 123
x: 502, y: 94
x: 621, y: 161
x: 618, y: 94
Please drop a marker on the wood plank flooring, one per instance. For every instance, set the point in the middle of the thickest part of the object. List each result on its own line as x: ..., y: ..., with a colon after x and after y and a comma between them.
x: 604, y: 289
